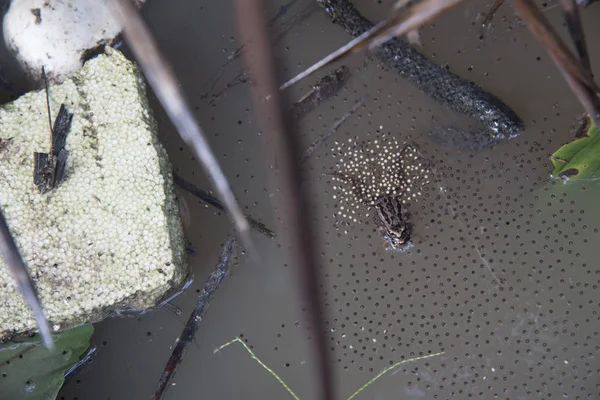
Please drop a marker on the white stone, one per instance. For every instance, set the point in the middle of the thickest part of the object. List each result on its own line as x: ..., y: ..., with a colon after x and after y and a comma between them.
x: 55, y: 34
x: 109, y: 236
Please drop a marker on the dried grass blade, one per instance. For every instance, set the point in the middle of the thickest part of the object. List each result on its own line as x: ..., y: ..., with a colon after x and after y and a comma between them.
x: 211, y: 286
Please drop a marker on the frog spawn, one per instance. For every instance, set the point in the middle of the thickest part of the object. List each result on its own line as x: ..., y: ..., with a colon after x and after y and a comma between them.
x: 369, y: 170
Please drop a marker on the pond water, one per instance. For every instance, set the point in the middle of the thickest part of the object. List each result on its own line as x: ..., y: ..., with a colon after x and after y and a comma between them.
x: 501, y: 276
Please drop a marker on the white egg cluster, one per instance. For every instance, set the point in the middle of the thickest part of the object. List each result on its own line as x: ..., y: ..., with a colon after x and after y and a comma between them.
x: 109, y: 236
x: 367, y: 170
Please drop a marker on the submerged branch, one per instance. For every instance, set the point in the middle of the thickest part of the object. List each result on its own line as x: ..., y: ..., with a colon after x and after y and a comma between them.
x: 213, y: 201
x: 496, y: 120
x: 189, y: 331
x: 401, y: 22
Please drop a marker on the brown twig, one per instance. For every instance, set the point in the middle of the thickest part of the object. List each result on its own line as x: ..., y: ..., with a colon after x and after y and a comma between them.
x: 163, y: 81
x: 293, y: 205
x: 191, y: 327
x: 578, y: 79
x: 213, y: 201
x: 573, y: 21
x: 20, y: 274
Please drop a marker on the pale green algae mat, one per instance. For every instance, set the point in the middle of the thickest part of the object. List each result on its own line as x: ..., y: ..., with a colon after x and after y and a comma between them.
x: 109, y: 236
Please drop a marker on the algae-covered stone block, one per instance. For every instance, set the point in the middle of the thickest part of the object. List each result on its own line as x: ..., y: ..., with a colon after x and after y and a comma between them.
x: 109, y: 236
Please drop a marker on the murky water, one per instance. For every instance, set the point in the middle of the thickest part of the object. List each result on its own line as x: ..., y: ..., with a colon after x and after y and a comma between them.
x: 491, y: 216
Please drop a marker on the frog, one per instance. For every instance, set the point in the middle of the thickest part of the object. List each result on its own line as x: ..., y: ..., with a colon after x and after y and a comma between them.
x: 391, y: 217
x: 380, y: 179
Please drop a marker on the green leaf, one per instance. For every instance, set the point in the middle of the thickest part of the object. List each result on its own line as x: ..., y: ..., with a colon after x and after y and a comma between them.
x: 30, y: 371
x: 580, y: 159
